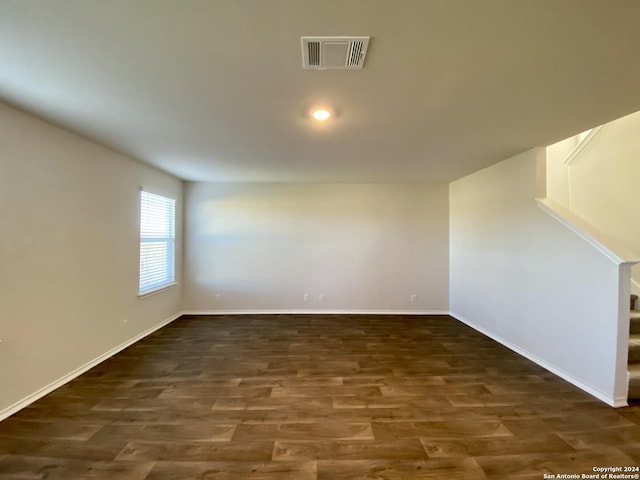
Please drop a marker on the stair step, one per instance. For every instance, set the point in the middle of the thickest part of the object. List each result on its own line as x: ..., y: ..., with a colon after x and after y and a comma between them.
x: 633, y: 301
x: 634, y: 348
x: 634, y: 382
x: 634, y: 326
x: 634, y: 391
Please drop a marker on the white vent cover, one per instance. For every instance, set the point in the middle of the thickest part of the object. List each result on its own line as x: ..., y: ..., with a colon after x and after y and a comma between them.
x: 345, y: 53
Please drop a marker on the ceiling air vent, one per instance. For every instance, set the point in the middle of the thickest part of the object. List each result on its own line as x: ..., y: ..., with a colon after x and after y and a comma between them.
x: 346, y: 53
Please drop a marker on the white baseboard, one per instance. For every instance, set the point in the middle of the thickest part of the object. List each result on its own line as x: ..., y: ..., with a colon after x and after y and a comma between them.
x: 315, y: 312
x: 19, y: 405
x: 608, y: 399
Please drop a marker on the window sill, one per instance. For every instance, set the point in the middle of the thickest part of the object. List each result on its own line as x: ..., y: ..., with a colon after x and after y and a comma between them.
x: 157, y: 290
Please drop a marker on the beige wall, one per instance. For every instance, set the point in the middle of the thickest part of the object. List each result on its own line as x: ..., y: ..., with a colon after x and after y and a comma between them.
x: 523, y: 278
x: 69, y: 257
x: 601, y: 183
x: 366, y: 247
x: 68, y: 253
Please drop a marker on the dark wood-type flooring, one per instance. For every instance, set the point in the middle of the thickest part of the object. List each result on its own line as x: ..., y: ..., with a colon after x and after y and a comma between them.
x: 316, y: 397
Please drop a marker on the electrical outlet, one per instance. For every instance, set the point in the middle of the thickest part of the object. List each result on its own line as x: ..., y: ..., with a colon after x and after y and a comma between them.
x: 218, y: 297
x: 413, y: 298
x: 321, y: 297
x: 305, y: 297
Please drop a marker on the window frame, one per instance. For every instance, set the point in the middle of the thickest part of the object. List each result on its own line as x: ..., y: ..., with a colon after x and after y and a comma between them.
x: 168, y: 238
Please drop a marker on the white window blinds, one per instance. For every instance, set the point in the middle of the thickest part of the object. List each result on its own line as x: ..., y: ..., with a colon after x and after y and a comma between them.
x: 157, y: 241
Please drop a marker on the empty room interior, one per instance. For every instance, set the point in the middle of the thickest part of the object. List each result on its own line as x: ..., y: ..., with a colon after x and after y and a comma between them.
x: 348, y: 239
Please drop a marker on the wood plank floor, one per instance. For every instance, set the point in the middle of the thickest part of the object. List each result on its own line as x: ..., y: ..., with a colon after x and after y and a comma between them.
x: 316, y: 397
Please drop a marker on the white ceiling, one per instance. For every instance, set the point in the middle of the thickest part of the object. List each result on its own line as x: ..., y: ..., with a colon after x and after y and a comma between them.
x: 214, y: 90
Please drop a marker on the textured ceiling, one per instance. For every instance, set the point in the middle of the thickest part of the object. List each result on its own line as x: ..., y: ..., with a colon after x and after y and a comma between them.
x: 214, y: 90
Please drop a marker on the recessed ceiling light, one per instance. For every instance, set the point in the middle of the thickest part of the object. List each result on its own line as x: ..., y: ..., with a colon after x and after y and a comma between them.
x: 321, y: 114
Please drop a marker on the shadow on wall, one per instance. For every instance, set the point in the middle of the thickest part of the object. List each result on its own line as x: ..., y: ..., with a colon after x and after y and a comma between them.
x: 594, y: 175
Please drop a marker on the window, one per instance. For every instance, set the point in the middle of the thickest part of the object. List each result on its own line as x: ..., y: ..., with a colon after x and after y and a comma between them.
x: 157, y: 242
